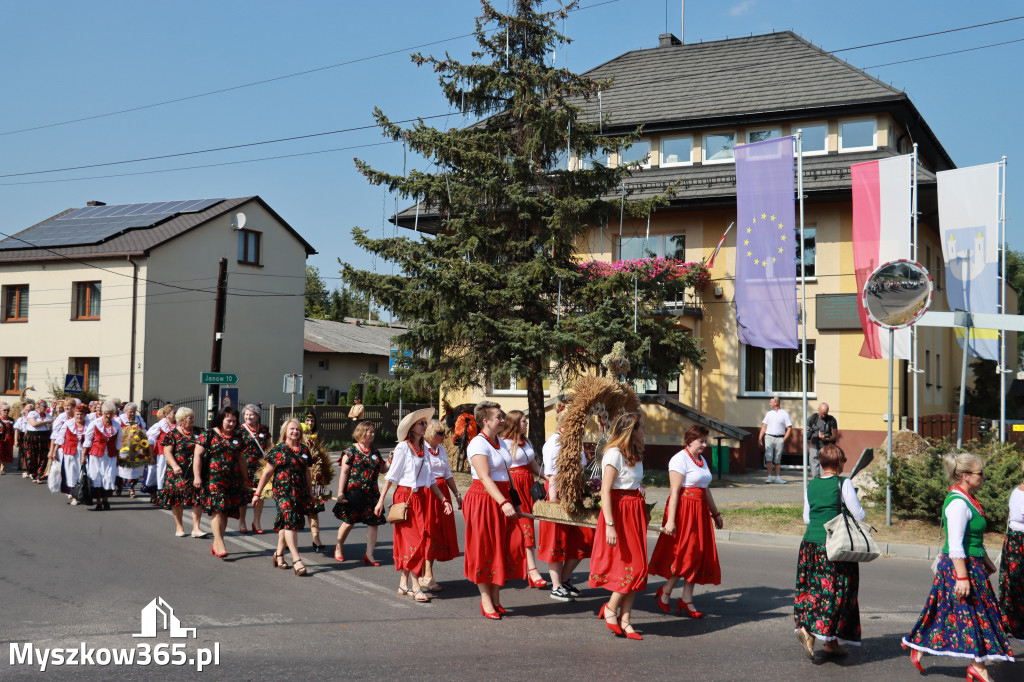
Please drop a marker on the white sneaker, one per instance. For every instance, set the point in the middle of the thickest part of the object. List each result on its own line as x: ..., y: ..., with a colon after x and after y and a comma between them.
x: 780, y: 479
x: 769, y: 480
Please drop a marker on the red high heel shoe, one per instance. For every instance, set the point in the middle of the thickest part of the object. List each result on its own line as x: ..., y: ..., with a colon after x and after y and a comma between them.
x: 630, y: 635
x: 614, y: 627
x: 974, y: 674
x: 690, y: 612
x: 367, y: 561
x: 664, y: 606
x: 219, y: 556
x: 539, y: 582
x: 500, y: 609
x: 915, y: 658
x: 490, y: 616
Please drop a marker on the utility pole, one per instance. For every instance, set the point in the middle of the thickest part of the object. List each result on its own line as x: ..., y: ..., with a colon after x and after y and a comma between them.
x: 218, y: 335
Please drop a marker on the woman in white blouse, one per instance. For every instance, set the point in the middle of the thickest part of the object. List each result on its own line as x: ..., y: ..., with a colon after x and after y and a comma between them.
x: 523, y: 468
x: 494, y: 554
x: 443, y: 542
x: 410, y: 472
x: 129, y: 476
x: 961, y: 617
x: 101, y: 445
x: 686, y: 548
x: 36, y: 441
x: 1011, y: 568
x: 68, y: 443
x: 619, y: 561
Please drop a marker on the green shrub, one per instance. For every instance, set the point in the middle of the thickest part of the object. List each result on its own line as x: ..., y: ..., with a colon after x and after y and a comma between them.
x: 919, y: 484
x: 371, y: 397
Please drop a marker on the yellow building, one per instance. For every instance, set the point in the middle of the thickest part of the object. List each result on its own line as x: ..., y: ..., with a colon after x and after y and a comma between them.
x: 695, y: 103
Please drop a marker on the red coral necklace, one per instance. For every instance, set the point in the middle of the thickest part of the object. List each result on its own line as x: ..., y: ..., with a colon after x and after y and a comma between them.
x: 416, y: 451
x: 699, y: 461
x: 494, y: 444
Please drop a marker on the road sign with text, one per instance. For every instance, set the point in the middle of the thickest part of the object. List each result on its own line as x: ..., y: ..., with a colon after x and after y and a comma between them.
x: 218, y: 378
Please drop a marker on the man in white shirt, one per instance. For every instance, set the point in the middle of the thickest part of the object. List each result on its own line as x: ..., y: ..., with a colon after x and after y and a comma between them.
x: 775, y: 429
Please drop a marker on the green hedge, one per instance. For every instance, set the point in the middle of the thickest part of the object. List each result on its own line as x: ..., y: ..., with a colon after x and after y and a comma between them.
x: 919, y: 484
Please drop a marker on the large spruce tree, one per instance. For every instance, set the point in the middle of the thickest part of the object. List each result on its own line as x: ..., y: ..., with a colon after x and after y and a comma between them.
x: 499, y: 289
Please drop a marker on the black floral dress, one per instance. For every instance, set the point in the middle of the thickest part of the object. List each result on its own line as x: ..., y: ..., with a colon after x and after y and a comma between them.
x: 178, y: 489
x: 364, y: 468
x: 290, y: 488
x: 257, y: 446
x: 223, y: 488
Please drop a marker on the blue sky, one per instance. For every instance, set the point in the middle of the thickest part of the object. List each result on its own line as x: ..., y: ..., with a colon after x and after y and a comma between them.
x: 68, y: 60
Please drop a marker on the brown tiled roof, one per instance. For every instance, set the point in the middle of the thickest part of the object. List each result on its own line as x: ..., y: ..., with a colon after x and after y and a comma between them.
x: 136, y: 242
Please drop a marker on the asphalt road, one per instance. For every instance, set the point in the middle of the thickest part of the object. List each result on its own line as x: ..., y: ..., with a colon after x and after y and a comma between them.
x: 73, y: 576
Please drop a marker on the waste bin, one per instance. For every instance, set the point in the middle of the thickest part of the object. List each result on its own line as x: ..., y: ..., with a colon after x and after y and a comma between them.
x: 719, y: 452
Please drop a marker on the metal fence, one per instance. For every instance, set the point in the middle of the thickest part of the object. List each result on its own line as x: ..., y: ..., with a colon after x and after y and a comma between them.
x: 333, y: 423
x: 196, y: 403
x: 943, y: 425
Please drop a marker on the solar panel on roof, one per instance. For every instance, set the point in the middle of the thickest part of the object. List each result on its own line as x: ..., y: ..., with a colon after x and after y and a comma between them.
x: 96, y: 224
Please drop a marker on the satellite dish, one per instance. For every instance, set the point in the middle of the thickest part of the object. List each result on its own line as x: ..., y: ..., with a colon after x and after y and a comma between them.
x: 897, y: 294
x: 238, y: 222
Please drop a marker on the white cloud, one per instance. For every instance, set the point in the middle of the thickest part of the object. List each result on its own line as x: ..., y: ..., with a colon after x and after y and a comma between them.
x: 742, y: 8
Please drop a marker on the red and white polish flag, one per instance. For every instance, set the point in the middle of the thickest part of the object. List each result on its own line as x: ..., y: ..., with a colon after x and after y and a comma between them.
x: 881, y: 233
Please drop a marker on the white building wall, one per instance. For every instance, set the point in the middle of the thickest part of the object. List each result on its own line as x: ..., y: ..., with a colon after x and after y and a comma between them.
x: 264, y: 313
x: 342, y: 369
x: 51, y: 336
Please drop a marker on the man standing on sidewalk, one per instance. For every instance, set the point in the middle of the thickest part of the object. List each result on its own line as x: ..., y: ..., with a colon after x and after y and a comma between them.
x: 822, y: 429
x: 775, y: 429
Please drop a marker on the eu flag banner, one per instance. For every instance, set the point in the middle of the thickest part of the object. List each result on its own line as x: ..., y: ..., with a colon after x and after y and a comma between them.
x: 766, y: 243
x: 969, y: 230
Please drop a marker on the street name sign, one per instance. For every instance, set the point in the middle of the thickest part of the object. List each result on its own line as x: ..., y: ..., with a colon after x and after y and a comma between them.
x: 218, y: 378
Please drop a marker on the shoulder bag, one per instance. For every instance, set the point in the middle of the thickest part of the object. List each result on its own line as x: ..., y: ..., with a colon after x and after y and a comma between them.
x: 399, y: 511
x: 849, y: 539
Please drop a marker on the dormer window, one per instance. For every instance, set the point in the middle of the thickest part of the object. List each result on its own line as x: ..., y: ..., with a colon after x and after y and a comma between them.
x: 857, y: 135
x: 718, y: 147
x: 815, y: 138
x: 762, y: 135
x: 639, y: 151
x: 676, y: 151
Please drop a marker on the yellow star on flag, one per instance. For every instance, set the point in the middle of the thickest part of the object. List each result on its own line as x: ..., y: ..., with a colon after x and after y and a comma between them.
x: 765, y: 263
x: 783, y: 237
x: 780, y: 249
x: 746, y: 242
x: 748, y: 230
x: 763, y: 216
x: 757, y: 261
x: 773, y: 259
x: 773, y: 217
x: 749, y: 254
x: 780, y: 226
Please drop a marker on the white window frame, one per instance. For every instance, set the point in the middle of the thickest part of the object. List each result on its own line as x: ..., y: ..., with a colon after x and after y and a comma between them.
x: 704, y: 147
x: 511, y: 390
x: 655, y: 239
x: 874, y: 135
x: 743, y: 393
x: 650, y: 152
x: 777, y: 133
x: 661, y: 151
x: 804, y: 126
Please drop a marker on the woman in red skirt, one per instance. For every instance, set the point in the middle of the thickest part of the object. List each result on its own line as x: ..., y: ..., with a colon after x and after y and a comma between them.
x: 686, y: 548
x: 523, y: 468
x: 494, y: 545
x: 443, y: 538
x: 562, y: 546
x: 619, y: 563
x: 410, y: 473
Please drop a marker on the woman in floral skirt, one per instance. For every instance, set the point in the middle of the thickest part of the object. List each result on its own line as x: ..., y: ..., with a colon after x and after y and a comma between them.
x: 686, y: 547
x: 1011, y: 568
x: 223, y: 491
x: 961, y: 617
x: 826, y: 606
x: 361, y: 464
x: 257, y: 445
x: 619, y: 562
x: 286, y: 468
x: 178, y: 448
x: 6, y: 437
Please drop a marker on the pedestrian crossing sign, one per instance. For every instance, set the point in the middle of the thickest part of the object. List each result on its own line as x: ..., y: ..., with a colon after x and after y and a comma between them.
x: 73, y: 383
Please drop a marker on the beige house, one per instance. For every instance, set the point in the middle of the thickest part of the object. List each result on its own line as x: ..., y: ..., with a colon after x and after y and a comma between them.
x: 124, y: 295
x: 337, y: 354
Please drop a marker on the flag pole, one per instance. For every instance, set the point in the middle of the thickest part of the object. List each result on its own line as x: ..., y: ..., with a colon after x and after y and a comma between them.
x: 803, y: 293
x: 1002, y: 306
x: 888, y: 447
x: 914, y: 370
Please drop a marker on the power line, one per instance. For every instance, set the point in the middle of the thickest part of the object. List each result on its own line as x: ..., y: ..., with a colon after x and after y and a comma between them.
x: 264, y: 81
x: 943, y: 54
x: 927, y: 35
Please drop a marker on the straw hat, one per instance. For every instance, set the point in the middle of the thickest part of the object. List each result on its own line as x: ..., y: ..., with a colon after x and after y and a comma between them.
x: 412, y: 418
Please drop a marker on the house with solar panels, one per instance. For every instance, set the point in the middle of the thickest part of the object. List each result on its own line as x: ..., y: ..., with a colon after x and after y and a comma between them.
x: 124, y: 295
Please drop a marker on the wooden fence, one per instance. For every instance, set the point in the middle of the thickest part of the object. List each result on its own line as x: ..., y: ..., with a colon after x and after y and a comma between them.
x: 944, y: 425
x: 333, y: 423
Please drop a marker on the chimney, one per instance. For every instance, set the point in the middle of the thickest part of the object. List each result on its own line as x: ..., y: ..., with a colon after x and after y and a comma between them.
x: 668, y: 40
x: 96, y: 203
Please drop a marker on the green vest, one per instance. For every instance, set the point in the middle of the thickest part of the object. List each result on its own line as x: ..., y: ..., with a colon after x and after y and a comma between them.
x: 824, y: 499
x: 974, y: 534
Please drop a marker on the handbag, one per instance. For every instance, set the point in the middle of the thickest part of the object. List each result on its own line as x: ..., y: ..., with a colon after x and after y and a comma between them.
x: 400, y: 510
x: 537, y: 492
x: 513, y: 494
x: 849, y: 539
x: 53, y: 479
x: 83, y: 490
